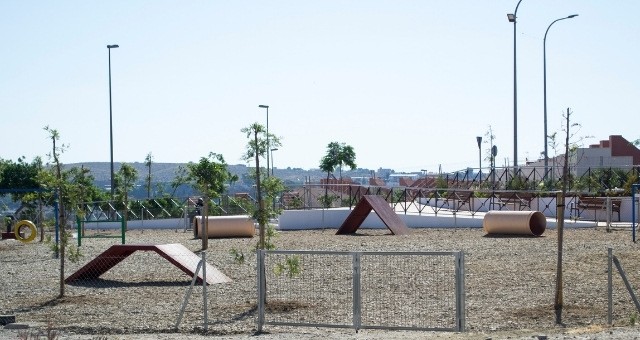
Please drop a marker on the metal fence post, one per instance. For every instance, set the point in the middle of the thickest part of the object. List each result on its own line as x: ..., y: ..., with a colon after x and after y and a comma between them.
x: 608, y: 210
x: 609, y: 286
x: 357, y: 297
x: 261, y: 288
x: 460, y: 292
x: 188, y: 294
x: 204, y: 290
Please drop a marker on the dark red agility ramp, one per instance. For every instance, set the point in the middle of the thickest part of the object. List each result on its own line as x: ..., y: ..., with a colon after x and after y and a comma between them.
x: 176, y: 253
x: 382, y: 209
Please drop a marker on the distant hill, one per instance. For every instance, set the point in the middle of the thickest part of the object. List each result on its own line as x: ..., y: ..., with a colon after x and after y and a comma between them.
x: 165, y: 172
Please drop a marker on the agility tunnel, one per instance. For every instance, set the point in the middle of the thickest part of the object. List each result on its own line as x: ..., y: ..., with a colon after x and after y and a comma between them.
x: 514, y: 222
x: 225, y: 226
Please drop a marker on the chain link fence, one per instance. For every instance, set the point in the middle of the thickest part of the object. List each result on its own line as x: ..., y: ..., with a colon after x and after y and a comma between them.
x: 386, y: 290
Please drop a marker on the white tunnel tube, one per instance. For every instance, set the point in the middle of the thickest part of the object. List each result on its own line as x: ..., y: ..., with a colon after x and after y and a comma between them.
x: 226, y: 226
x: 514, y: 222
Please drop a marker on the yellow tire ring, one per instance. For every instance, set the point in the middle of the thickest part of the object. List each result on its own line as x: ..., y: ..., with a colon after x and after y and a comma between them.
x: 25, y: 224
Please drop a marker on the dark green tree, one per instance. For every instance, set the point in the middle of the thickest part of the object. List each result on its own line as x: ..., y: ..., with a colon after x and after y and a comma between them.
x: 125, y: 182
x: 208, y: 176
x: 20, y: 175
x: 338, y: 155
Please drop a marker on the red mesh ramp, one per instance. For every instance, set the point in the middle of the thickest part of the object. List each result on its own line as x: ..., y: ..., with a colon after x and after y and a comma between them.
x: 179, y: 255
x: 382, y: 209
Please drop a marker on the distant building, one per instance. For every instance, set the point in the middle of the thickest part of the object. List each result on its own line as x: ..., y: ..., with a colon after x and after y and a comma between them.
x: 615, y: 152
x: 402, y: 179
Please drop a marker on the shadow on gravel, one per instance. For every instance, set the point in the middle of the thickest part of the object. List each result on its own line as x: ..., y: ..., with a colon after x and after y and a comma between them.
x: 511, y: 236
x: 102, y: 283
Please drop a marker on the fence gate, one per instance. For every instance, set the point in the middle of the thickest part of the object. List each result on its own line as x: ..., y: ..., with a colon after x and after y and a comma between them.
x: 362, y: 290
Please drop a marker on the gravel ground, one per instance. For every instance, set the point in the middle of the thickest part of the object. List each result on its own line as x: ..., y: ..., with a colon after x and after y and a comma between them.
x: 509, y: 280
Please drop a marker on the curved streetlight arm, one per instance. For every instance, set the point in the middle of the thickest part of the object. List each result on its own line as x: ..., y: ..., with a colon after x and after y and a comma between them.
x: 515, y: 13
x: 544, y: 61
x: 551, y: 24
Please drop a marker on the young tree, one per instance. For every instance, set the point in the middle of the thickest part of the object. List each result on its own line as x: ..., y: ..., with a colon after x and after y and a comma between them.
x: 125, y: 182
x: 58, y: 184
x: 147, y: 163
x: 257, y: 147
x: 209, y: 177
x: 570, y: 133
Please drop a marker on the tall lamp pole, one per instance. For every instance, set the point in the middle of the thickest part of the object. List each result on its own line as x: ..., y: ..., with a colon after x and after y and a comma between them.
x: 272, y: 150
x: 479, y: 140
x: 544, y: 59
x: 512, y: 18
x: 268, y: 145
x: 109, y: 47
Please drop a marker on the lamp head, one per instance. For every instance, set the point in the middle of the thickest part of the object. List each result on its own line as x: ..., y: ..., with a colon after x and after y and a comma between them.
x: 264, y: 106
x: 511, y: 17
x: 112, y: 46
x: 572, y: 16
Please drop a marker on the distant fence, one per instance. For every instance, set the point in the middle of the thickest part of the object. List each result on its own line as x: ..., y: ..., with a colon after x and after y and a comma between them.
x: 362, y: 290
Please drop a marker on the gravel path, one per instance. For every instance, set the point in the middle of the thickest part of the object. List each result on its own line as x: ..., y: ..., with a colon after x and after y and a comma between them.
x: 510, y: 284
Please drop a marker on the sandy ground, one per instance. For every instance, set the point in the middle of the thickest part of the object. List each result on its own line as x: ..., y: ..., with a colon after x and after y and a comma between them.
x: 509, y: 281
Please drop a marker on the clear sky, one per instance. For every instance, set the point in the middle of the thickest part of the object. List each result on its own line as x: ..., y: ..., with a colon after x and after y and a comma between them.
x: 408, y: 84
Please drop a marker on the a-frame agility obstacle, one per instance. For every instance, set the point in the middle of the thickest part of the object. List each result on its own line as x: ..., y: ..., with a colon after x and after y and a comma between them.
x: 176, y: 253
x: 378, y: 204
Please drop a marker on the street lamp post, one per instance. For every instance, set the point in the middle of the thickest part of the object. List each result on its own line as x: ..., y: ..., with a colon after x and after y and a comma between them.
x: 268, y: 145
x: 272, y: 150
x: 109, y: 47
x: 544, y: 60
x: 479, y: 140
x: 274, y: 199
x: 512, y: 18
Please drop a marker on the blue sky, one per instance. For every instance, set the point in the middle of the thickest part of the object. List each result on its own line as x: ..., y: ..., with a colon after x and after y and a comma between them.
x: 408, y: 84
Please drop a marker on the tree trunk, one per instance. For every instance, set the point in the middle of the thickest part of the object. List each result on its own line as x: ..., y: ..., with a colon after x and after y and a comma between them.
x: 559, y: 300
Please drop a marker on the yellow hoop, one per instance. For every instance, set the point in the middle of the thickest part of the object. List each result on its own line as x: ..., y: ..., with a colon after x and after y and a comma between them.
x: 32, y: 230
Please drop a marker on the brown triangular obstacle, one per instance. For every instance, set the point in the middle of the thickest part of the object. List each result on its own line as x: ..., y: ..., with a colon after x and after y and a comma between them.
x: 382, y: 209
x: 176, y: 253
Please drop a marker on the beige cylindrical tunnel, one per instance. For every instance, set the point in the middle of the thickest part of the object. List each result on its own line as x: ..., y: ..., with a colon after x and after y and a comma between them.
x: 514, y: 222
x: 226, y: 226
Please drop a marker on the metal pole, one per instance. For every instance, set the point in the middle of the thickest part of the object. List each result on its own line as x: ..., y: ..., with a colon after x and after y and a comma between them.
x: 610, y: 286
x: 268, y: 144
x: 633, y: 211
x: 204, y: 291
x: 261, y: 288
x: 272, y: 150
x: 544, y: 60
x: 515, y: 90
x: 357, y: 293
x: 188, y: 293
x: 460, y: 292
x: 479, y: 140
x: 109, y: 47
